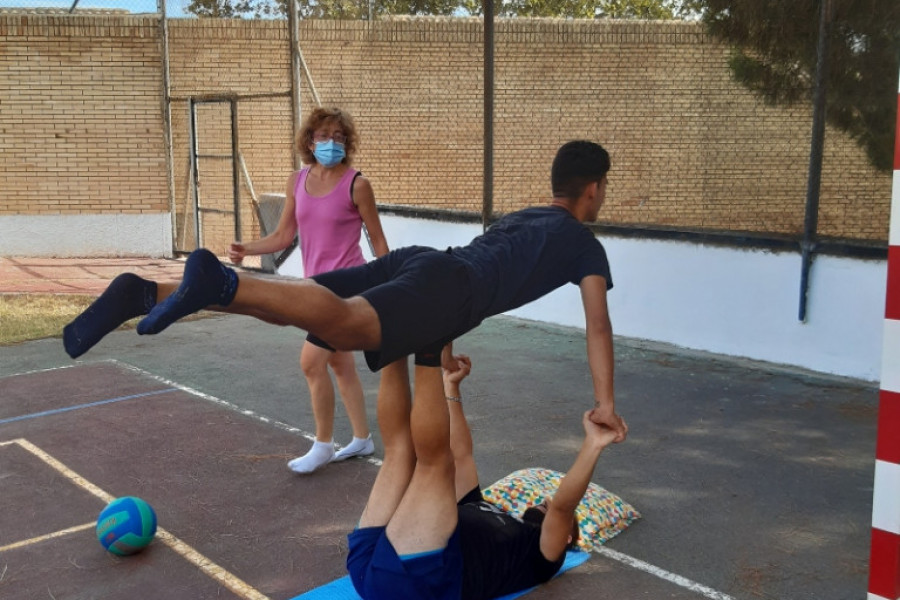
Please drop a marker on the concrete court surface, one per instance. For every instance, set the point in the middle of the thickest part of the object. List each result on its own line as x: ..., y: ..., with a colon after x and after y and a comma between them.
x: 754, y: 481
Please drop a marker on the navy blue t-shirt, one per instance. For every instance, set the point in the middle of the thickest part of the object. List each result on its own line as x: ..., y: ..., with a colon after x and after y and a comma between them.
x: 501, y: 554
x: 425, y: 298
x: 540, y: 250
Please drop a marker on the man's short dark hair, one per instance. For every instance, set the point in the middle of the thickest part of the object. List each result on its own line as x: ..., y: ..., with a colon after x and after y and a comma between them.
x: 577, y: 164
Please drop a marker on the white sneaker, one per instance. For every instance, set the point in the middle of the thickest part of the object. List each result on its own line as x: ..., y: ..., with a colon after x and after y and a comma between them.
x: 357, y: 447
x: 318, y: 456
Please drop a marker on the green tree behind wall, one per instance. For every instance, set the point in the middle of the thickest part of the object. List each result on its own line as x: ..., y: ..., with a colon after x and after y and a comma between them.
x: 359, y: 9
x: 576, y: 9
x: 774, y: 54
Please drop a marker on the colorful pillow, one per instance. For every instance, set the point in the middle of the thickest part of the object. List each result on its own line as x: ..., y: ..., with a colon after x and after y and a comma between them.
x: 601, y: 514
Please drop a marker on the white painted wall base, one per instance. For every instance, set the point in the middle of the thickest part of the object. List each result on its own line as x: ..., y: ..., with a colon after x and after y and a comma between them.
x: 729, y: 301
x: 86, y: 235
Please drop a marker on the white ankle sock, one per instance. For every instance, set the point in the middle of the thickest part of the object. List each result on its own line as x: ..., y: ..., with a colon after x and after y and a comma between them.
x: 320, y: 454
x: 357, y: 447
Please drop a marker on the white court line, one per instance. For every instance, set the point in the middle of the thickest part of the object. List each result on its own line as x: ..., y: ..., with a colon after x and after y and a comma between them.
x: 635, y: 563
x: 35, y: 371
x: 280, y: 425
x: 213, y: 570
x: 49, y: 536
x: 663, y: 574
x: 250, y: 413
x: 210, y: 568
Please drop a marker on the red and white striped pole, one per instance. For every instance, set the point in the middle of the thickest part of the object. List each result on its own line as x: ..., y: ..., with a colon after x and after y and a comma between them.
x: 884, y: 560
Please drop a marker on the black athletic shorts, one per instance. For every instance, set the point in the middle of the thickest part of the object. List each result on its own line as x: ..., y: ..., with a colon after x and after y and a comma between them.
x: 422, y: 296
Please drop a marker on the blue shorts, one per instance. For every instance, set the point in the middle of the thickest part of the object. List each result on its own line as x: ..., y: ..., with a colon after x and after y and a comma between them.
x: 378, y: 573
x: 422, y: 297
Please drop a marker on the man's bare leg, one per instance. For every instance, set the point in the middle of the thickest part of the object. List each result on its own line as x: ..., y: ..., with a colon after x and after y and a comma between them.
x: 426, y: 516
x: 345, y: 324
x: 399, y: 455
x: 350, y: 324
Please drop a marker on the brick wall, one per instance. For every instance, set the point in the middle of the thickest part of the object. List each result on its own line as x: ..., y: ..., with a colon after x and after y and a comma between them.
x: 81, y: 128
x: 690, y: 148
x: 218, y: 59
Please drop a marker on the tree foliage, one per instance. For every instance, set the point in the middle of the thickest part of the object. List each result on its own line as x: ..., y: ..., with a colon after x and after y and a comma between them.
x: 359, y: 9
x: 575, y: 9
x: 319, y: 9
x: 775, y: 55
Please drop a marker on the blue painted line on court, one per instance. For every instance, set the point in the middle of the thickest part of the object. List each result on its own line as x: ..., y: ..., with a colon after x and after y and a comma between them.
x: 57, y: 411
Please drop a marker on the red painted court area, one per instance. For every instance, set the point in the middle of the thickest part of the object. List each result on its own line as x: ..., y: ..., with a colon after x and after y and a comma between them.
x: 233, y: 521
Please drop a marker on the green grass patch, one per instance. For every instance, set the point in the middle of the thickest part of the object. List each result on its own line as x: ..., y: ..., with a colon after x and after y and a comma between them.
x: 25, y: 317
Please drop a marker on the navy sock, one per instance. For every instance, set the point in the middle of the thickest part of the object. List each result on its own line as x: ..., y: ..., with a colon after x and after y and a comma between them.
x: 206, y: 281
x: 127, y: 296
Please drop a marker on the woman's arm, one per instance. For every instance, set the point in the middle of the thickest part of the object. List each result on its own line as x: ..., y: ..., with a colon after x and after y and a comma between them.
x: 279, y: 239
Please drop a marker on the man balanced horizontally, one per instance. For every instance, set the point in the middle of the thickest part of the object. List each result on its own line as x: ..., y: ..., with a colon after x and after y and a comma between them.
x: 413, y: 300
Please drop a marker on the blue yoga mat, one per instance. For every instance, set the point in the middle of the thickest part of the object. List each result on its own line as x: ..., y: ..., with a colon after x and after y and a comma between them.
x: 342, y: 589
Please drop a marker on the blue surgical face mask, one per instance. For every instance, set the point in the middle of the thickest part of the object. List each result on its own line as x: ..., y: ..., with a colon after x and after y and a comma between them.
x: 329, y: 153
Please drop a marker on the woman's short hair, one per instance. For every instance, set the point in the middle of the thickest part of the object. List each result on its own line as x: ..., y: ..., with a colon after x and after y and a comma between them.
x: 317, y: 118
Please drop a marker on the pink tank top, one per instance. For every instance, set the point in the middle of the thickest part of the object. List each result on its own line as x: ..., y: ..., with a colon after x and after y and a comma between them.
x: 329, y: 226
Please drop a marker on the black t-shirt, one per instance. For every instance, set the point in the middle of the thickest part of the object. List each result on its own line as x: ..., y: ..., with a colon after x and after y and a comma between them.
x: 501, y: 554
x: 528, y: 254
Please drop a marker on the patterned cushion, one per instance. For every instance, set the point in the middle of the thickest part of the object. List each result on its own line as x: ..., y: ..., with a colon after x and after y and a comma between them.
x: 601, y: 514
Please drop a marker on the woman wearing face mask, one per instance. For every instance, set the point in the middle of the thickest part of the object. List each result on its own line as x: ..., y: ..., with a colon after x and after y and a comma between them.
x: 327, y: 203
